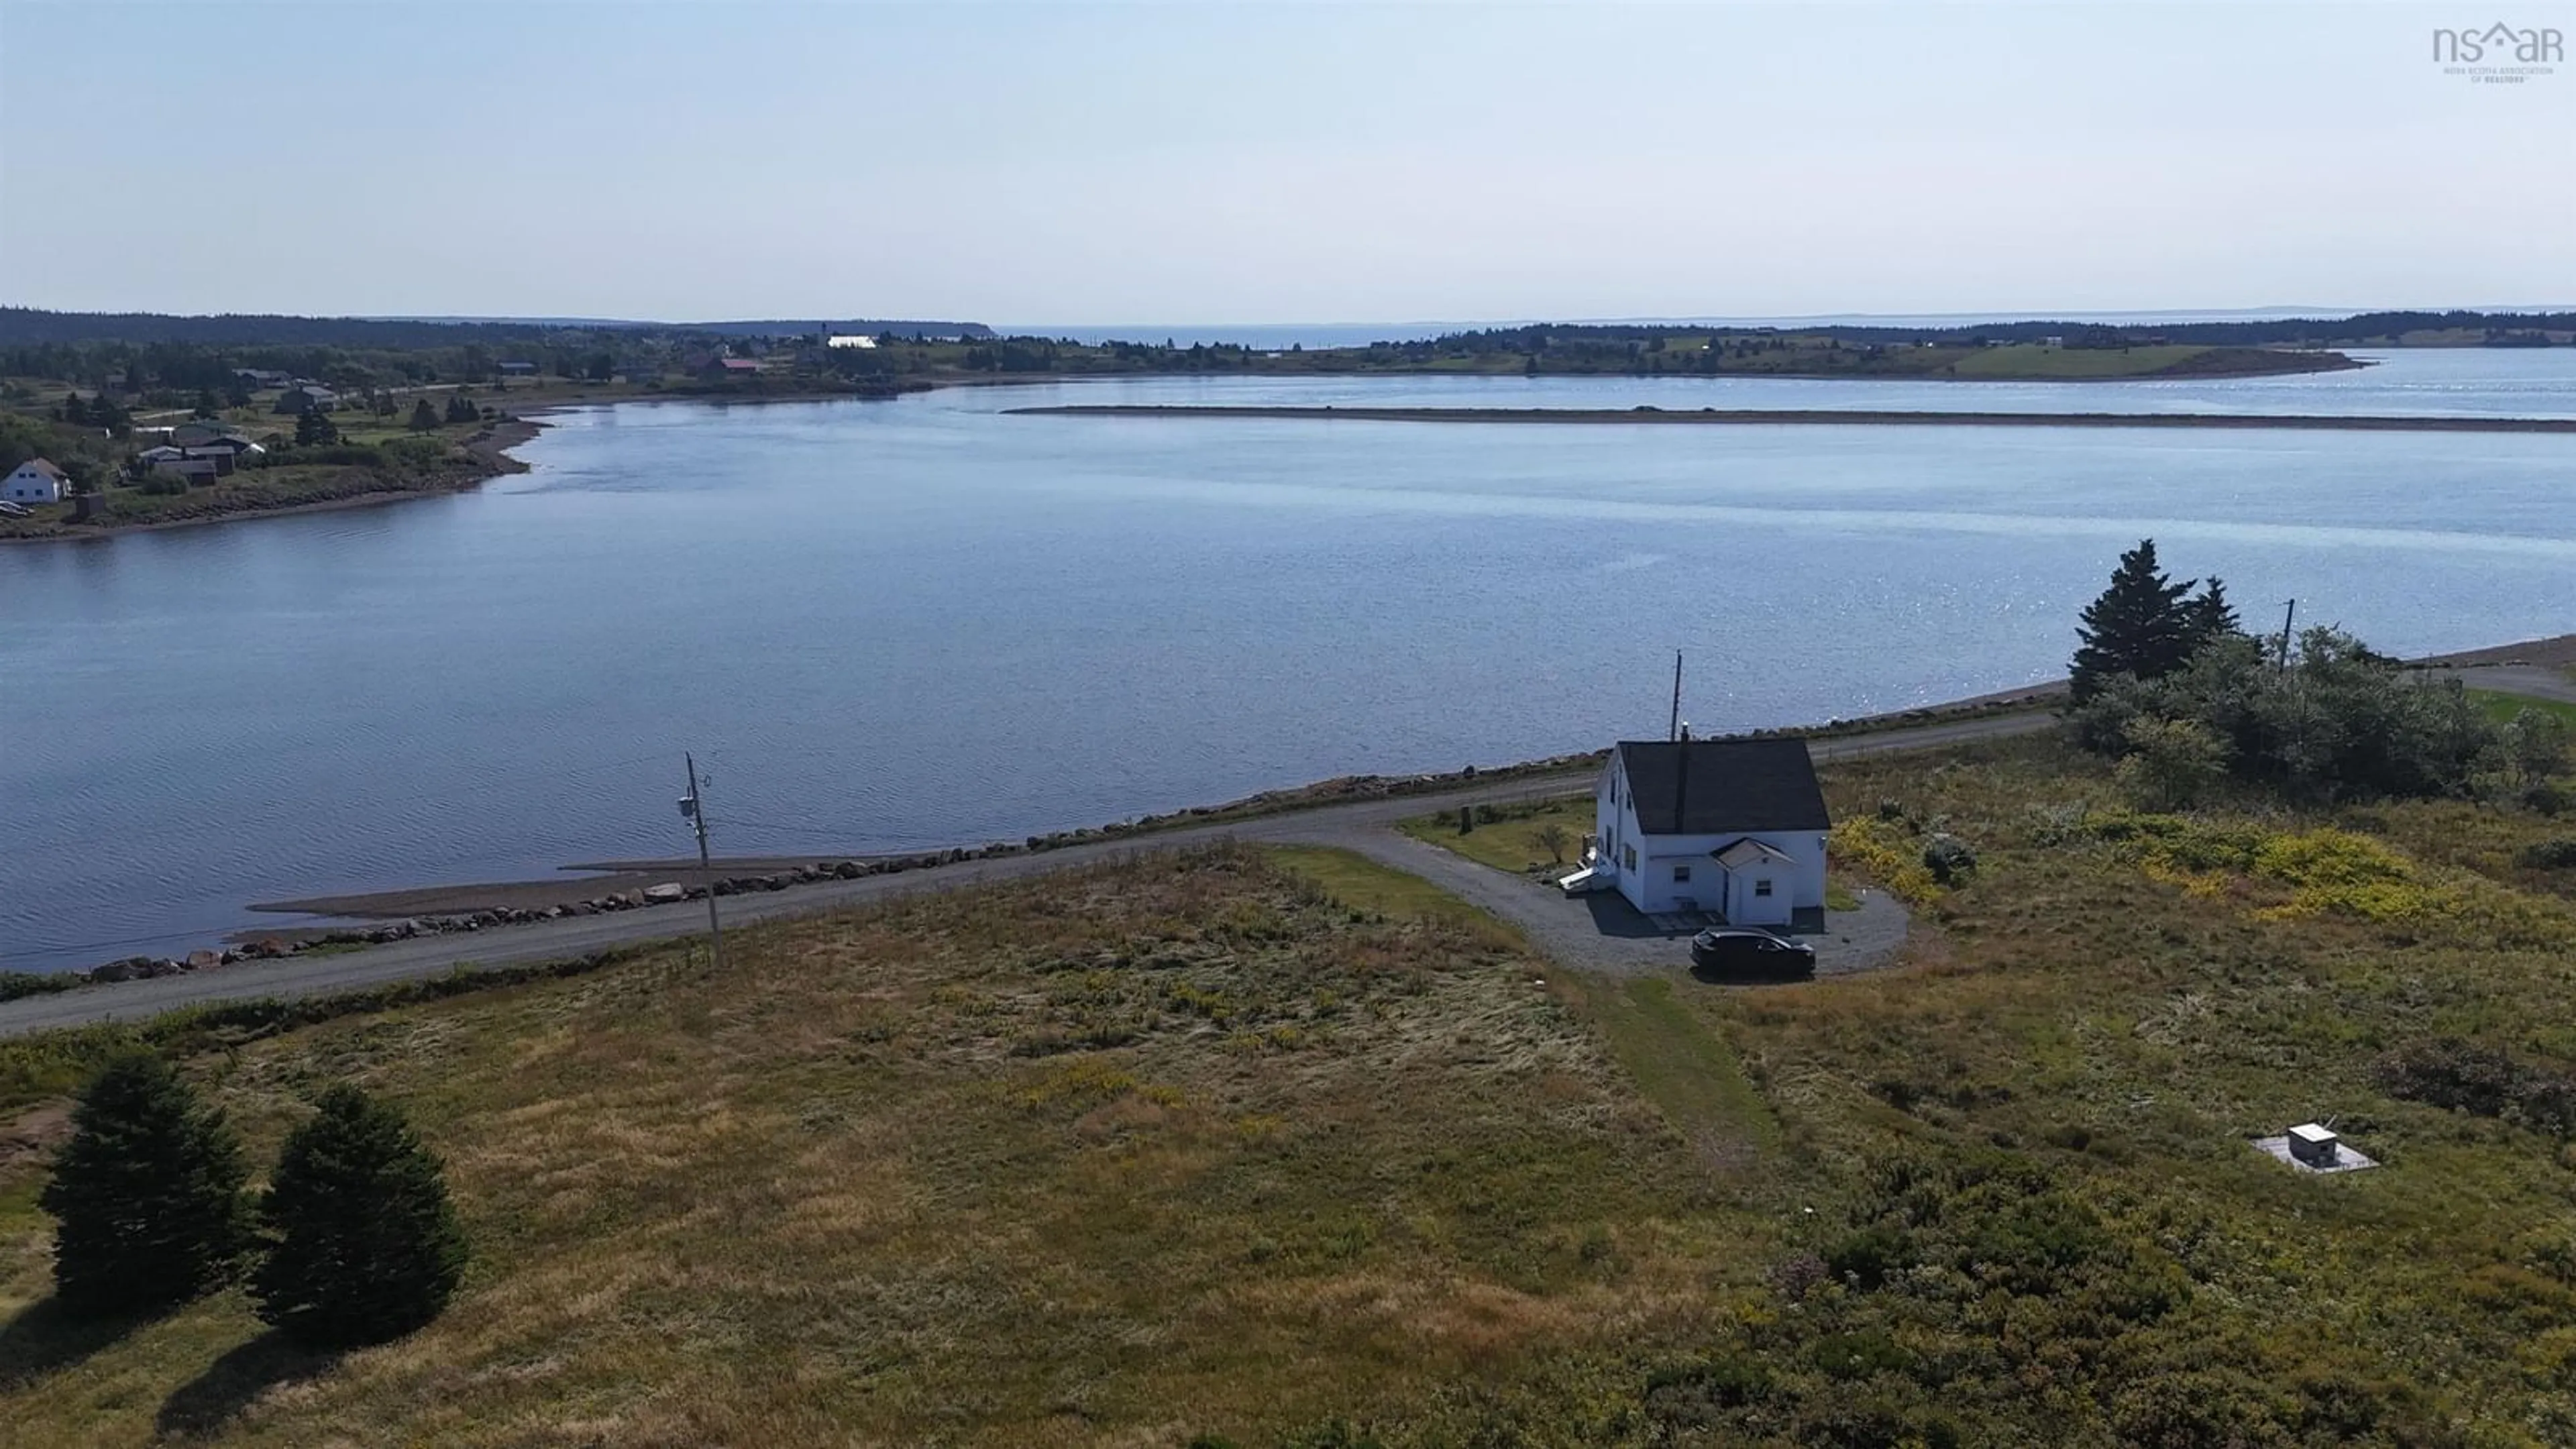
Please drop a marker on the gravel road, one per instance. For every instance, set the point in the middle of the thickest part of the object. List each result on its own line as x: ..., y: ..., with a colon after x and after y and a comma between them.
x: 1363, y: 827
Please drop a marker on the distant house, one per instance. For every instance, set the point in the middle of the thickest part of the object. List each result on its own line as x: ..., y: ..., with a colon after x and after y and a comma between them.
x: 850, y: 341
x: 309, y: 398
x: 221, y: 458
x: 262, y: 377
x: 518, y: 369
x: 36, y: 481
x: 211, y: 435
x: 1728, y: 828
x: 719, y: 367
x: 187, y: 462
x: 193, y: 469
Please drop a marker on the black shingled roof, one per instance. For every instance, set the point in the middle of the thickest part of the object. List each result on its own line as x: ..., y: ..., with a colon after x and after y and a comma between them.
x: 1733, y: 784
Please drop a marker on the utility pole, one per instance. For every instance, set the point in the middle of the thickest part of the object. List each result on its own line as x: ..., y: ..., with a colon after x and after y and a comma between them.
x: 2286, y: 620
x: 1673, y: 731
x: 695, y: 811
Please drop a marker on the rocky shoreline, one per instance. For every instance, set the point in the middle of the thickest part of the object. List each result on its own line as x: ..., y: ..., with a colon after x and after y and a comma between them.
x: 300, y: 940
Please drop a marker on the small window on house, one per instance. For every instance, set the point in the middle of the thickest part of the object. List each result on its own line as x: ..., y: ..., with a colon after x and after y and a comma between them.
x: 1630, y: 861
x: 1681, y: 875
x: 1762, y: 887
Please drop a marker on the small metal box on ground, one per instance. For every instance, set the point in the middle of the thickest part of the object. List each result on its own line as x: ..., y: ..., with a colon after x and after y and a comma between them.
x: 2314, y: 1145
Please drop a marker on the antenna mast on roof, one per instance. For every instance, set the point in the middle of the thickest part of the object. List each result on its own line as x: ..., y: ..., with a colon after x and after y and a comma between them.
x: 1674, y: 730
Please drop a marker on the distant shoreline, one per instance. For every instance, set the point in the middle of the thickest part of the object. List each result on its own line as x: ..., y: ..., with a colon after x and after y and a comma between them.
x: 1830, y: 417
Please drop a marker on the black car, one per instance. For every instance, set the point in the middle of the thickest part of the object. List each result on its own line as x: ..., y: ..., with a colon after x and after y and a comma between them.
x: 1743, y: 951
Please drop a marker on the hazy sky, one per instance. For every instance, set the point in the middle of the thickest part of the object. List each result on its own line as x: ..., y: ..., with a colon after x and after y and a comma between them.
x: 1214, y: 162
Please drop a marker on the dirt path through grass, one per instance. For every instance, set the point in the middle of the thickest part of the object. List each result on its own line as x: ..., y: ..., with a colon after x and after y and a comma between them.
x: 1687, y: 1070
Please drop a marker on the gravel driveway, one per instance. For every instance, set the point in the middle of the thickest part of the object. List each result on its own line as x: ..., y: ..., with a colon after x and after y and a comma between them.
x: 1601, y: 931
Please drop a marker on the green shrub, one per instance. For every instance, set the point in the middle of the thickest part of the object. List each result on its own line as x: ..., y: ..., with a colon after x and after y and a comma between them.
x: 2548, y: 855
x: 413, y: 452
x: 17, y: 984
x: 1859, y: 1355
x: 146, y: 1197
x: 1697, y: 1396
x: 363, y: 1245
x: 2342, y: 722
x: 2461, y: 1076
x: 1948, y: 858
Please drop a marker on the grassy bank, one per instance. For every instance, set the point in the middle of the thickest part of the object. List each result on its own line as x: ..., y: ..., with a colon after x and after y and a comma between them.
x: 1286, y: 1149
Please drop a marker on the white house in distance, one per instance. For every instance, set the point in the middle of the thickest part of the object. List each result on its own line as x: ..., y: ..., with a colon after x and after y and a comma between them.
x: 1729, y: 828
x: 35, y: 481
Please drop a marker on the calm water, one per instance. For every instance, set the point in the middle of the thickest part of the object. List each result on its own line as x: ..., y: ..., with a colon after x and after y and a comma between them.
x: 920, y: 623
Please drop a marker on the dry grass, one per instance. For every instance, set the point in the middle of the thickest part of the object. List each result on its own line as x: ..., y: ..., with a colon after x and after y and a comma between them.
x: 1132, y: 1153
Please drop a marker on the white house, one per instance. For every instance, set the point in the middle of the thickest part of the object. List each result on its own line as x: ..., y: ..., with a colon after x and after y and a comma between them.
x: 1729, y: 828
x: 36, y: 481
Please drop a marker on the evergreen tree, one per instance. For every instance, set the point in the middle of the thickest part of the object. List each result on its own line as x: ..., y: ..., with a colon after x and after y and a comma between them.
x: 459, y: 410
x: 363, y: 1244
x: 2140, y: 625
x: 424, y: 418
x: 314, y: 429
x: 2207, y: 615
x: 146, y: 1197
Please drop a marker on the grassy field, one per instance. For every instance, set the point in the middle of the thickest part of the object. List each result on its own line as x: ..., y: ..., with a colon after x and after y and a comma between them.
x: 2032, y: 360
x: 1134, y: 1154
x: 1288, y: 1150
x: 2503, y: 707
x: 1506, y: 837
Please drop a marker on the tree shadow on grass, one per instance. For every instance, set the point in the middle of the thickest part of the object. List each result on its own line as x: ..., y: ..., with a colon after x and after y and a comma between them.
x: 205, y: 1404
x: 42, y: 1339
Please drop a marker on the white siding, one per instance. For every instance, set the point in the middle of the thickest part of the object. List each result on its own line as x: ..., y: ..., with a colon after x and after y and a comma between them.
x: 30, y: 486
x: 1800, y: 880
x: 1798, y: 883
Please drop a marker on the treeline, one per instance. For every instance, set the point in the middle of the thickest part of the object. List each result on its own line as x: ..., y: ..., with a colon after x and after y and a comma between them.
x: 22, y: 325
x: 2168, y: 685
x: 2504, y: 328
x: 186, y: 374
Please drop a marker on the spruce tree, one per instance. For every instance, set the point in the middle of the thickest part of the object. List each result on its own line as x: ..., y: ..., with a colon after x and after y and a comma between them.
x: 2207, y: 615
x: 424, y: 418
x: 2139, y: 626
x: 146, y: 1197
x: 363, y: 1245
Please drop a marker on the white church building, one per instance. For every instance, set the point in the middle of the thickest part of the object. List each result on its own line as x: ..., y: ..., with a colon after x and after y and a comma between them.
x: 1727, y: 828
